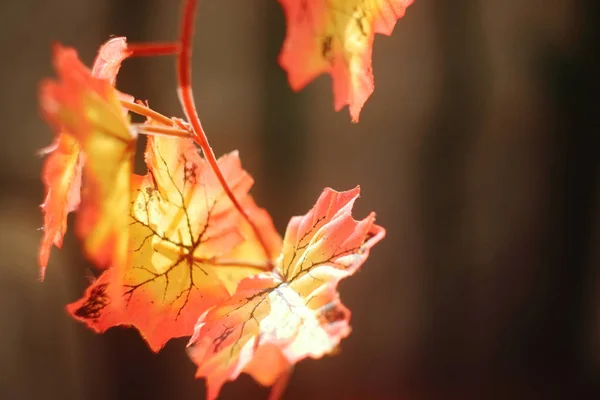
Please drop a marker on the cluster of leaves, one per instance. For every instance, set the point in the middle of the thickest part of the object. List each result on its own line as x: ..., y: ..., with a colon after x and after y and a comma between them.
x: 184, y: 250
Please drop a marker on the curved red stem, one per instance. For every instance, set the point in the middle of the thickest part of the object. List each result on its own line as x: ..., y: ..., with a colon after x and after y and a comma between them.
x: 184, y: 77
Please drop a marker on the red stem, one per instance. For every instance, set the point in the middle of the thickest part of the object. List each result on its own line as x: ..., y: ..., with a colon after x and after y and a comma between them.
x: 281, y: 384
x: 153, y: 49
x: 184, y: 77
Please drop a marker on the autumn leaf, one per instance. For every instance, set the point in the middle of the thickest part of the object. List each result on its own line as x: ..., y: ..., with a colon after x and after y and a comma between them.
x: 62, y: 169
x: 189, y: 246
x: 278, y: 318
x: 61, y: 175
x: 336, y: 36
x: 93, y: 130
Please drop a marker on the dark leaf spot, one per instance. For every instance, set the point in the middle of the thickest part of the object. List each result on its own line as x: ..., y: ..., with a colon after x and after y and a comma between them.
x: 94, y: 305
x: 326, y: 46
x: 332, y: 313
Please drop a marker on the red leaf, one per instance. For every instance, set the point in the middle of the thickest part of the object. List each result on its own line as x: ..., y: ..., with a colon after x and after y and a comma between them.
x: 61, y: 175
x: 189, y: 246
x: 85, y: 111
x: 279, y: 318
x: 336, y: 36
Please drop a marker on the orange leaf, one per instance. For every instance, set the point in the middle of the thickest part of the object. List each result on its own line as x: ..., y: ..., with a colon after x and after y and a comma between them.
x: 189, y: 246
x: 336, y: 36
x: 281, y: 317
x: 61, y: 175
x: 84, y: 106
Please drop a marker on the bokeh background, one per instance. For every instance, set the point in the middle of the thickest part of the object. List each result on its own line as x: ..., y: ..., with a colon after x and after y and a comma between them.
x: 478, y: 151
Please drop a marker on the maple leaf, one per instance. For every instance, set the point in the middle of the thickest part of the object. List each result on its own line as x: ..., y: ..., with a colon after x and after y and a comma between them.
x: 62, y: 170
x: 189, y: 246
x: 336, y: 36
x: 61, y: 175
x: 93, y: 131
x: 278, y: 318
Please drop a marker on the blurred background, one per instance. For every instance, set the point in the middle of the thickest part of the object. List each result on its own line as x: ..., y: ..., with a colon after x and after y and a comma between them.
x: 478, y: 152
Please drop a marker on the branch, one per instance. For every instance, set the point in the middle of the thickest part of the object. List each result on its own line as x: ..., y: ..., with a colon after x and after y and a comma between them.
x: 184, y: 77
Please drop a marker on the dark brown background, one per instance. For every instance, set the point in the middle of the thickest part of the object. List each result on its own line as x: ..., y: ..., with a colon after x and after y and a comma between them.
x: 478, y: 151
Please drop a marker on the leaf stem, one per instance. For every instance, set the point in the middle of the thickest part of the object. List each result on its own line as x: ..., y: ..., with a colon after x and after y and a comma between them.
x: 147, y: 112
x: 147, y: 129
x: 218, y: 262
x: 184, y: 77
x: 281, y: 384
x: 153, y: 49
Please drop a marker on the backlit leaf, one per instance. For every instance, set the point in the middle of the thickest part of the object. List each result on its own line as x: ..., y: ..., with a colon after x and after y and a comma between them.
x: 61, y: 175
x: 85, y: 106
x: 62, y: 169
x: 189, y: 246
x: 279, y: 318
x: 336, y: 36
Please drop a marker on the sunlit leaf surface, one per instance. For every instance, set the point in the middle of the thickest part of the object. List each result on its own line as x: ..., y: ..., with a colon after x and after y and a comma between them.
x: 336, y: 37
x: 279, y: 318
